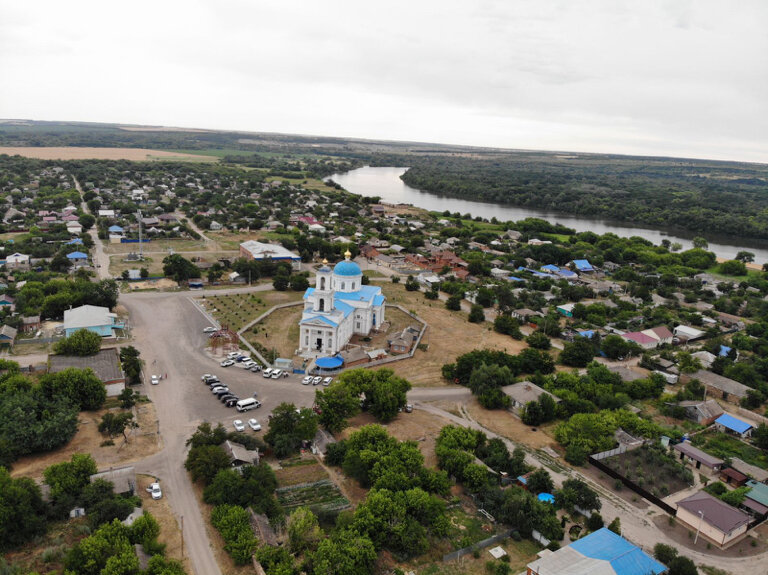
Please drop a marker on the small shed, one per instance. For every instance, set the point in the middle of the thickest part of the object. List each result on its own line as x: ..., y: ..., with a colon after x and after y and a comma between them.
x: 7, y: 335
x: 727, y: 423
x: 698, y: 457
x: 732, y: 477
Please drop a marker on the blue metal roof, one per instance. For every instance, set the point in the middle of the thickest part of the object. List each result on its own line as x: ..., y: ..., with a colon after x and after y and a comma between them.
x: 347, y: 268
x: 77, y: 256
x: 76, y: 241
x: 378, y: 300
x: 115, y: 229
x: 733, y: 423
x: 515, y: 279
x: 546, y: 497
x: 550, y: 268
x: 343, y: 307
x: 309, y: 292
x: 625, y: 558
x: 365, y: 293
x: 567, y: 273
x: 587, y: 333
x: 583, y: 265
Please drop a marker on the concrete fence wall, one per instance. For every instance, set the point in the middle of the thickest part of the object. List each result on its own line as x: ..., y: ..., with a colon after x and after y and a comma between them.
x: 479, y: 545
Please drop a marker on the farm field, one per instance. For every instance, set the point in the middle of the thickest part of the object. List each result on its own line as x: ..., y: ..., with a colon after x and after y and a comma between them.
x: 724, y: 446
x: 448, y: 335
x: 304, y: 482
x: 135, y: 154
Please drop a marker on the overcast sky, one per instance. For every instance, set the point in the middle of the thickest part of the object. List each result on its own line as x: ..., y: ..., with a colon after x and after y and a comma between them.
x: 678, y: 77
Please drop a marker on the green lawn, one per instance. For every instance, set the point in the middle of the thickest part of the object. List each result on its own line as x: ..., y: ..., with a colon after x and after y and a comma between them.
x: 725, y: 446
x: 713, y: 271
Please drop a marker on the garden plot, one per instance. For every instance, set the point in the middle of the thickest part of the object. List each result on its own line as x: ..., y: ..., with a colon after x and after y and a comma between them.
x: 651, y: 469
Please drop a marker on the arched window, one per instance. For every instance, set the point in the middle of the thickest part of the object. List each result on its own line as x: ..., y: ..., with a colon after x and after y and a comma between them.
x: 342, y: 286
x: 322, y: 304
x: 353, y: 286
x: 322, y: 283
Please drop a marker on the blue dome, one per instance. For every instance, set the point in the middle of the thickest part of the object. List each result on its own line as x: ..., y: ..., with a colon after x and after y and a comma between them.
x: 347, y: 268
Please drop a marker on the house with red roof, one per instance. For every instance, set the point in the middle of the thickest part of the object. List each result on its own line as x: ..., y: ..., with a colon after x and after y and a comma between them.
x: 642, y: 339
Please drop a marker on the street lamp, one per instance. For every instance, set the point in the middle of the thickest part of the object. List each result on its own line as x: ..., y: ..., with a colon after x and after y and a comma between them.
x: 701, y: 518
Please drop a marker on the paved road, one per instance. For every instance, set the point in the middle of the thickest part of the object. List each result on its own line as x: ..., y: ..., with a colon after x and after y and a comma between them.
x: 167, y: 329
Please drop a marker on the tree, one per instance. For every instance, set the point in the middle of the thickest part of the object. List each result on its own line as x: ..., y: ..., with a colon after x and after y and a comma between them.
x: 682, y: 565
x: 508, y: 326
x: 595, y: 522
x: 116, y: 423
x: 81, y: 386
x: 453, y: 303
x: 615, y: 526
x: 577, y: 353
x: 615, y: 346
x: 205, y: 461
x: 744, y: 256
x: 477, y: 314
x: 128, y: 398
x: 336, y: 404
x: 22, y: 515
x: 486, y: 382
x: 68, y: 479
x: 700, y: 243
x: 576, y: 493
x: 281, y: 282
x: 664, y: 553
x: 288, y: 427
x: 346, y: 552
x: 87, y: 221
x: 540, y: 481
x: 733, y: 268
x: 303, y: 530
x: 539, y: 340
x: 386, y: 395
x: 760, y: 436
x: 82, y: 343
x: 179, y: 269
x: 143, y: 273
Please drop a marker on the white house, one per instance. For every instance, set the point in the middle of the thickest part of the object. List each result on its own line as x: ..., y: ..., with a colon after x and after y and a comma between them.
x: 337, y: 307
x: 16, y: 260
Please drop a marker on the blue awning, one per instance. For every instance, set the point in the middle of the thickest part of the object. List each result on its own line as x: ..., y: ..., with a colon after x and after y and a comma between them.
x: 329, y: 362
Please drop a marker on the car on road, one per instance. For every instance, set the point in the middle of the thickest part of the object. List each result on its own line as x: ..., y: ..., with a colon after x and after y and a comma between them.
x: 209, y: 329
x: 307, y: 380
x: 327, y: 381
x: 155, y: 491
x: 317, y: 380
x: 155, y: 379
x: 227, y: 363
x: 238, y: 423
x: 254, y: 424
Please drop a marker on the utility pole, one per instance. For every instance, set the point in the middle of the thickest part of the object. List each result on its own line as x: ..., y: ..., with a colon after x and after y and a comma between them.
x: 182, y: 537
x: 141, y: 244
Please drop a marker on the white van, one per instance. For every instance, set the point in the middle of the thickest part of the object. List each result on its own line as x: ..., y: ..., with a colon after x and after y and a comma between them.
x: 276, y: 373
x: 267, y: 372
x: 247, y: 404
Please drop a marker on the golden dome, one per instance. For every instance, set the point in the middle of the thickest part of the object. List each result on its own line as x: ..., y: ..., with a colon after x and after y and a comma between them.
x: 325, y: 262
x: 347, y: 254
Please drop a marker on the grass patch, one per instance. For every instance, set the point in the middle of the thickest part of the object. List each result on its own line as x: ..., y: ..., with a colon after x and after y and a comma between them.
x: 713, y: 271
x: 466, y: 529
x: 303, y: 472
x: 724, y: 446
x: 321, y: 496
x: 236, y: 310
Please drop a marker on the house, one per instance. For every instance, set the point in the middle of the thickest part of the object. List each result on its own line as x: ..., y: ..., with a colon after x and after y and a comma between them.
x: 582, y: 266
x: 713, y: 519
x: 599, y: 553
x: 733, y: 477
x: 354, y: 355
x: 687, y: 333
x: 727, y: 423
x: 7, y: 302
x: 106, y: 213
x: 74, y: 228
x: 525, y: 314
x: 524, y: 392
x: 239, y: 456
x: 626, y: 373
x: 727, y: 389
x: 402, y: 342
x: 661, y: 334
x: 16, y: 260
x: 116, y: 230
x: 123, y: 479
x: 30, y: 324
x: 105, y: 364
x: 702, y: 412
x: 641, y: 339
x: 697, y: 457
x: 77, y: 257
x: 214, y: 226
x: 428, y: 279
x: 756, y: 499
x: 253, y: 250
x: 705, y: 358
x: 316, y: 228
x: 566, y: 309
x: 94, y: 318
x: 7, y: 335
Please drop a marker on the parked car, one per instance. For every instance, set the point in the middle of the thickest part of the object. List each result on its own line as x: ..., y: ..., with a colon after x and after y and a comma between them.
x: 408, y: 408
x: 209, y: 378
x: 242, y: 358
x: 238, y: 423
x: 155, y: 491
x: 276, y: 373
x: 233, y: 354
x: 223, y: 391
x: 155, y: 379
x: 249, y: 364
x: 227, y: 363
x: 267, y: 372
x: 231, y: 402
x: 254, y: 424
x: 216, y: 388
x: 327, y: 381
x: 226, y: 396
x: 307, y: 380
x: 317, y: 380
x: 256, y: 368
x: 209, y: 329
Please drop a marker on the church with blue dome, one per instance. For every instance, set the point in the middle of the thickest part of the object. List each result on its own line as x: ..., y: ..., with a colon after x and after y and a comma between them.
x: 338, y: 307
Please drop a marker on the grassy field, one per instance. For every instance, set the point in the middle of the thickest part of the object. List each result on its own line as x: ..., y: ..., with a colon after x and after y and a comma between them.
x: 448, y: 335
x: 159, y: 245
x: 751, y: 273
x: 279, y: 331
x: 724, y: 446
x: 236, y: 310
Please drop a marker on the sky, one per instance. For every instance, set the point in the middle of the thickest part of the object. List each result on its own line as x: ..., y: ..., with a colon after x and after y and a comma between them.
x: 682, y: 78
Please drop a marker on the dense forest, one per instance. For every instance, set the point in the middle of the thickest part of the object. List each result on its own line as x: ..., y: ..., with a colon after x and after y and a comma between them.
x: 702, y: 196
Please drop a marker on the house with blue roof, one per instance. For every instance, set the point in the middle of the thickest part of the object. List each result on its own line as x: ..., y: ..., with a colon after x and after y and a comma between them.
x: 599, y: 553
x: 727, y: 423
x: 77, y: 257
x: 583, y: 266
x: 115, y: 230
x: 338, y: 307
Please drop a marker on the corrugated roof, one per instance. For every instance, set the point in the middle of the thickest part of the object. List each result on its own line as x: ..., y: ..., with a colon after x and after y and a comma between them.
x: 759, y: 492
x: 733, y: 423
x: 715, y: 512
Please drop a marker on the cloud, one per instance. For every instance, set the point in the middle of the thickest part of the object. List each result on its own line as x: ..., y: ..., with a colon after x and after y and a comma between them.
x: 654, y: 77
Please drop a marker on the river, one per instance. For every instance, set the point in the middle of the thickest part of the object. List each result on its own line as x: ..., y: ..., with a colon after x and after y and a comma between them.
x: 386, y: 183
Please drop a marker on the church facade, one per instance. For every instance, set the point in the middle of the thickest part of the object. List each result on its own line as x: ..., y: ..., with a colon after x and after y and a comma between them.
x: 338, y: 307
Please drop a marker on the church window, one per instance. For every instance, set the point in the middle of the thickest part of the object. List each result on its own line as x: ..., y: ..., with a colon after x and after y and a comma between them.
x: 322, y: 283
x: 342, y: 286
x: 358, y: 325
x: 322, y: 304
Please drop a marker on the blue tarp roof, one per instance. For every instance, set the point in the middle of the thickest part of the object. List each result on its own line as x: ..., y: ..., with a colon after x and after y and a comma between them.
x: 515, y: 279
x: 724, y: 351
x: 329, y: 362
x: 733, y: 423
x: 522, y: 479
x: 76, y: 241
x: 546, y: 497
x: 583, y: 265
x: 115, y: 229
x: 77, y: 256
x: 624, y: 557
x: 587, y: 333
x: 550, y: 268
x: 567, y: 273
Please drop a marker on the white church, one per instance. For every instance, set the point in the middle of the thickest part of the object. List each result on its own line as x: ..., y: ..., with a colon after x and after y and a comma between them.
x: 337, y: 307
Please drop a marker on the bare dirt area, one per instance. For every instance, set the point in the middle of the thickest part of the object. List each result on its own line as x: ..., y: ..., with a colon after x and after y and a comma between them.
x: 163, y: 283
x: 135, y: 154
x: 610, y: 484
x: 448, y: 335
x: 170, y: 527
x: 142, y: 442
x: 508, y: 425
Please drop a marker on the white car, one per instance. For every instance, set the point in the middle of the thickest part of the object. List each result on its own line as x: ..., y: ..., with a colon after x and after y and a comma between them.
x: 155, y: 380
x: 276, y: 373
x: 327, y: 381
x: 248, y: 364
x: 238, y: 423
x: 254, y: 424
x: 227, y: 363
x: 155, y: 491
x: 317, y: 380
x: 307, y: 380
x: 207, y: 376
x: 233, y: 354
x: 209, y: 329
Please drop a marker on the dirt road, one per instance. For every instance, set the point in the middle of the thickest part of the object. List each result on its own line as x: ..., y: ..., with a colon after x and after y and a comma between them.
x: 100, y: 259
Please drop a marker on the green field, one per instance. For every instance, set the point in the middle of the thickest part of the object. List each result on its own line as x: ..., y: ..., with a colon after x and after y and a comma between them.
x: 726, y: 446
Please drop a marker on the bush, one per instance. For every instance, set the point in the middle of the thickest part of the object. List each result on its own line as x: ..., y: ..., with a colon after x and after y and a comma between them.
x: 81, y: 343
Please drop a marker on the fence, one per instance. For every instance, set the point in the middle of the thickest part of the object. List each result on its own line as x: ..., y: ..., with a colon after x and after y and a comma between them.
x: 632, y: 485
x: 131, y: 241
x: 479, y: 545
x: 38, y: 340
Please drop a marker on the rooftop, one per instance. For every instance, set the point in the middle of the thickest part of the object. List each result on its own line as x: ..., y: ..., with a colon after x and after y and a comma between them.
x: 697, y: 454
x: 88, y: 316
x: 733, y: 423
x: 105, y: 364
x: 715, y: 512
